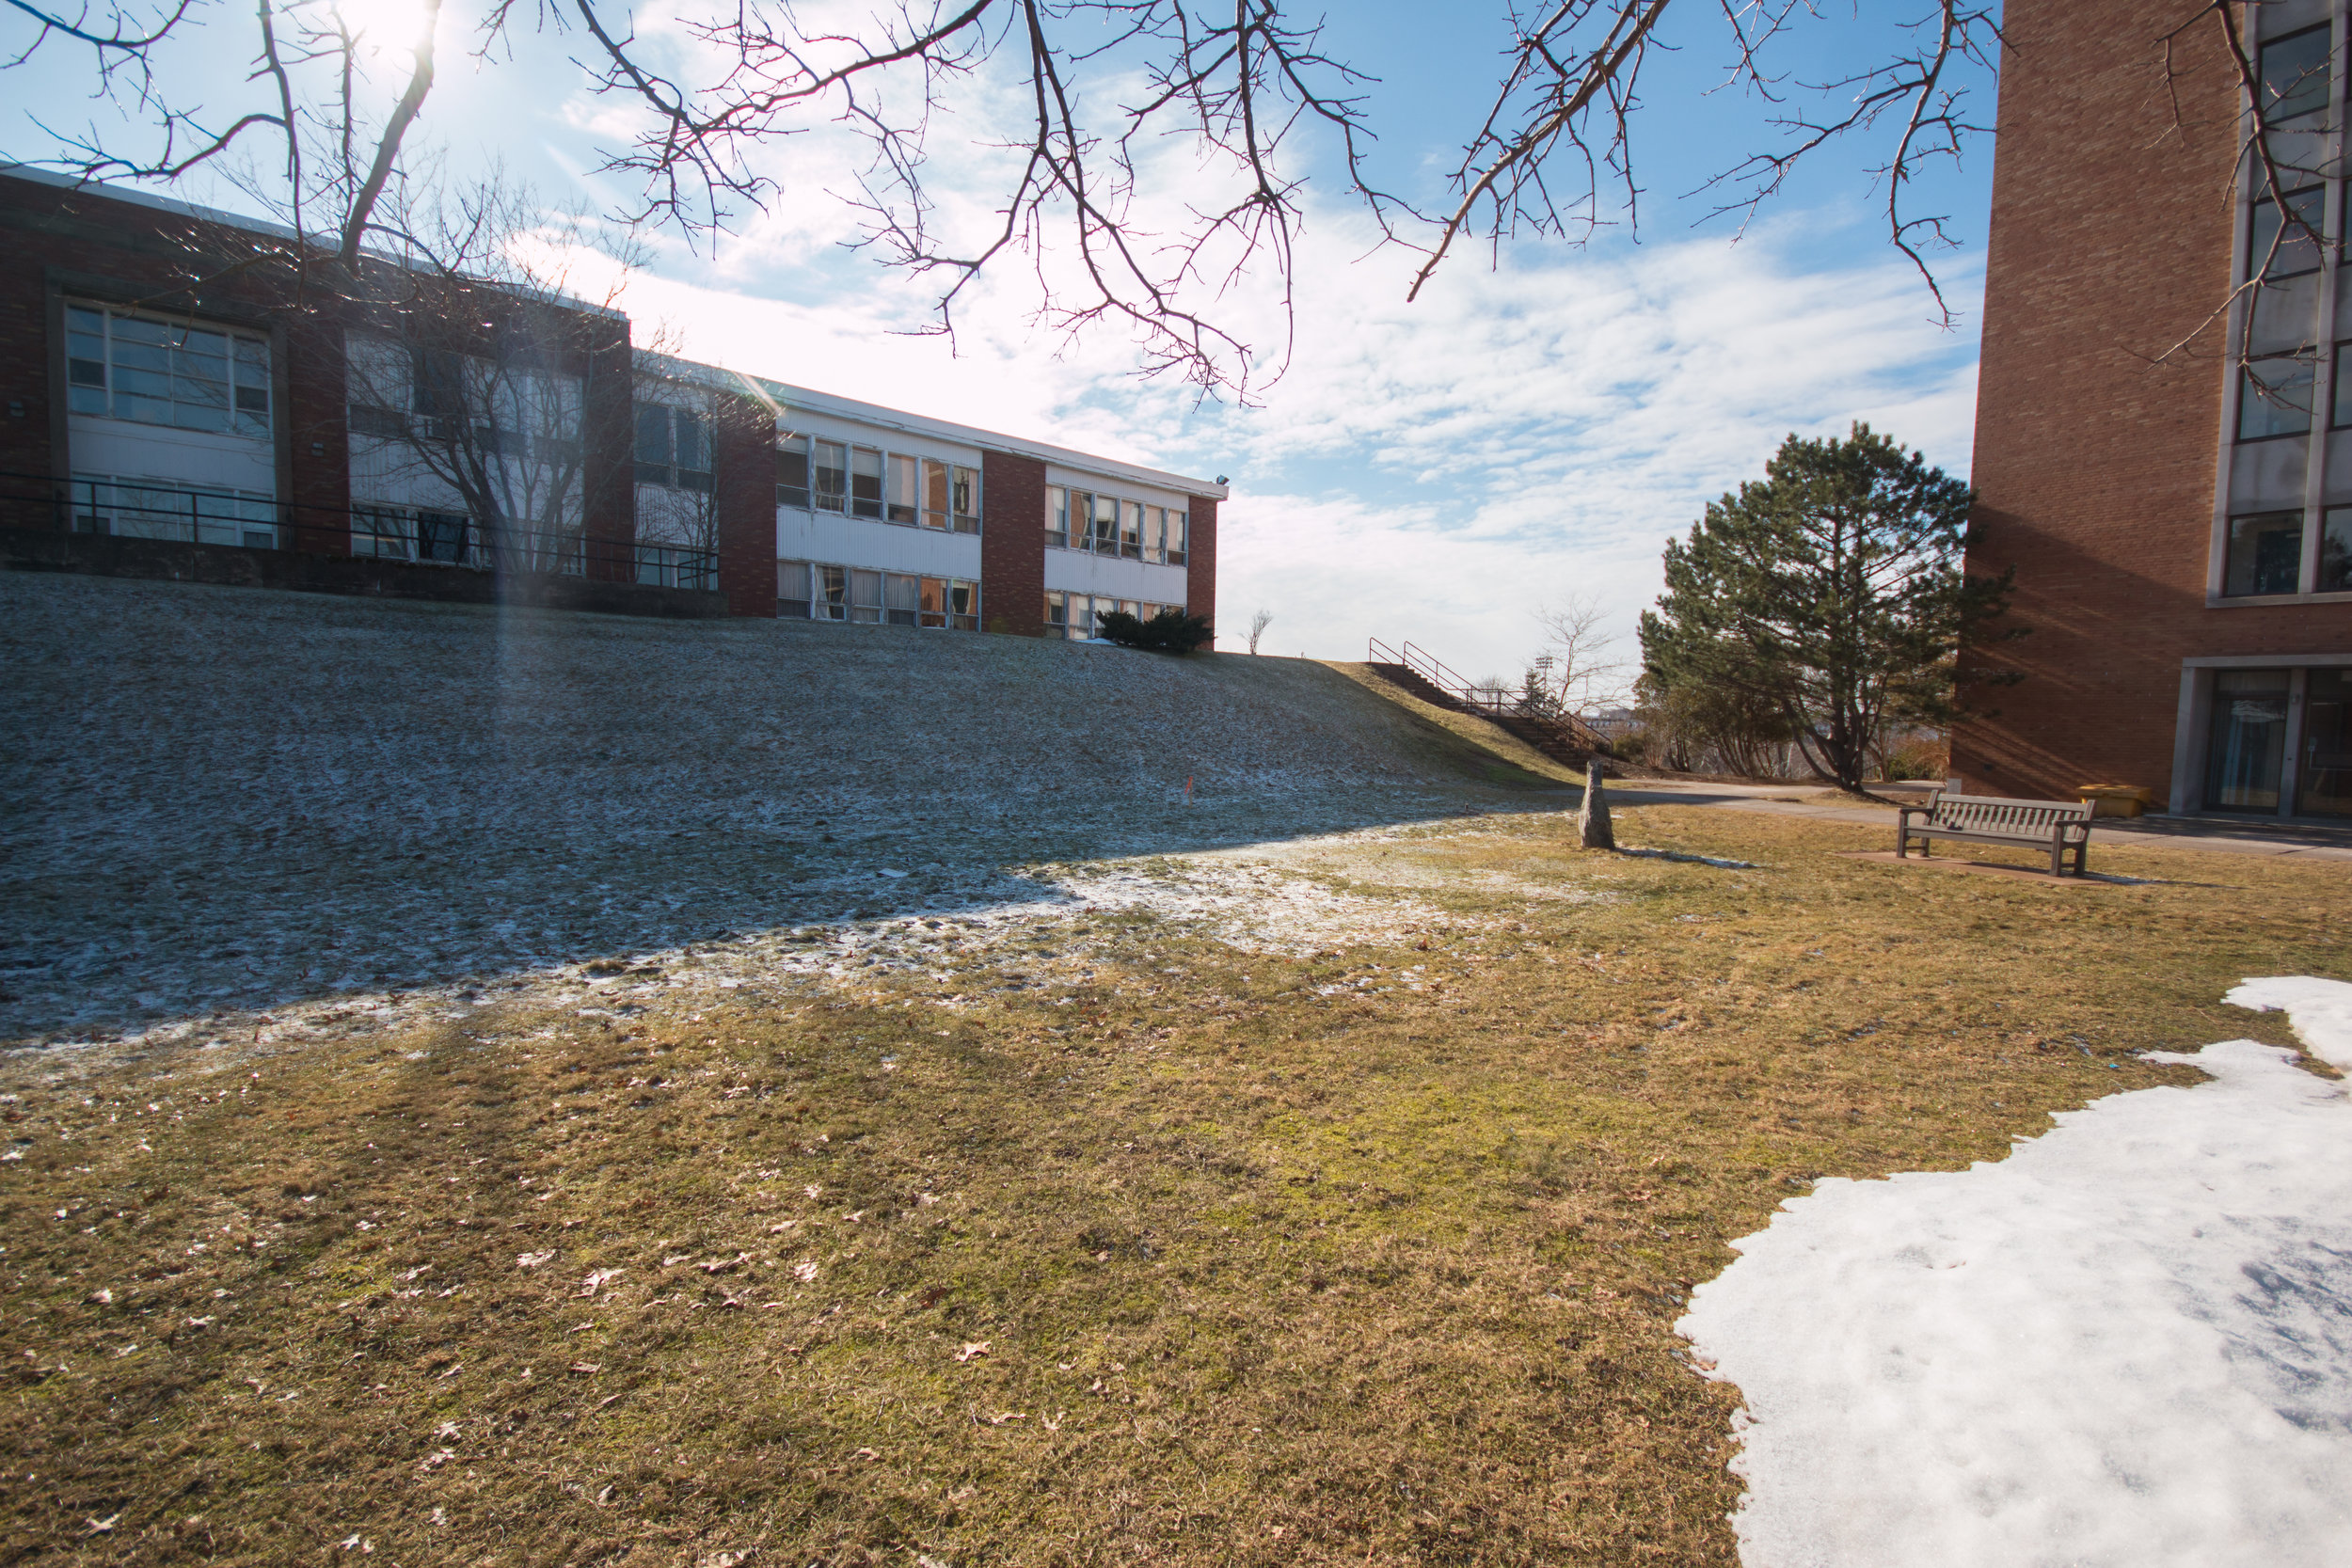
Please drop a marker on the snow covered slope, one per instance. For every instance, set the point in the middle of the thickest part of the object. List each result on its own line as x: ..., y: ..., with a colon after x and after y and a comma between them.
x: 215, y: 796
x: 2129, y: 1343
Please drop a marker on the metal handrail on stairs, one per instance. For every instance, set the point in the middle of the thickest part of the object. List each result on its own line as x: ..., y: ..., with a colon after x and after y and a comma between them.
x: 1492, y: 705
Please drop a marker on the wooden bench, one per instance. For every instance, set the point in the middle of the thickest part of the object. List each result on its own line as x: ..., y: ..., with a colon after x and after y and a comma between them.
x: 2062, y: 826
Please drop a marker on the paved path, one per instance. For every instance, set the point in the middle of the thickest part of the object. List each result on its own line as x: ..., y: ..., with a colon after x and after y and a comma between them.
x: 1801, y: 799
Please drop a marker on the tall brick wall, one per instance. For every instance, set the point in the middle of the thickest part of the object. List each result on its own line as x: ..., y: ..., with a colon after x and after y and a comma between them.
x: 1012, y: 544
x: 1200, y: 560
x: 2095, y: 467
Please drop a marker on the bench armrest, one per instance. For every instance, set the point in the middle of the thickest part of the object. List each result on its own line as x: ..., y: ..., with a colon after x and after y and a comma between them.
x: 1906, y: 813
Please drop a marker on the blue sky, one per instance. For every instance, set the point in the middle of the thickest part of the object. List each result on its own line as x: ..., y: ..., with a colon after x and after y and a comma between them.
x: 1531, y: 429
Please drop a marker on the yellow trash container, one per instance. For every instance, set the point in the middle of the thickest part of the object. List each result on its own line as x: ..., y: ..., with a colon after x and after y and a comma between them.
x: 2112, y: 800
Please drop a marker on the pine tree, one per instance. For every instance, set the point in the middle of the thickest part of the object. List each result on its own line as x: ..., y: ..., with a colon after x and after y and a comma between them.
x: 1831, y: 591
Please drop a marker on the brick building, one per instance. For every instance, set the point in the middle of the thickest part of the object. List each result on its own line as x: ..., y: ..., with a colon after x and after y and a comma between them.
x: 180, y: 375
x: 2165, y: 458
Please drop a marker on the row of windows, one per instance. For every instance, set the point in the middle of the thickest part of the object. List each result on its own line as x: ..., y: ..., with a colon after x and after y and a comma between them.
x: 815, y: 475
x: 164, y: 509
x: 1106, y: 525
x: 814, y: 590
x: 2265, y: 554
x: 1074, y: 615
x: 122, y: 365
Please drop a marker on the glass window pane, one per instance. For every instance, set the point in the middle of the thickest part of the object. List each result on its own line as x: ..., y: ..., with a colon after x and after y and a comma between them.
x: 934, y: 601
x: 2298, y: 250
x: 1178, y: 525
x: 967, y: 495
x: 2324, y: 786
x: 2265, y: 554
x: 2249, y: 739
x: 1106, y: 525
x: 2275, y: 398
x: 905, y: 490
x: 866, y: 478
x: 1058, y: 612
x: 2294, y: 75
x: 935, y: 496
x: 1131, y: 533
x: 81, y: 317
x: 2335, y: 552
x: 1057, y: 514
x: 692, y: 450
x: 833, y: 593
x: 792, y: 472
x: 653, y: 435
x: 833, y: 476
x: 866, y: 596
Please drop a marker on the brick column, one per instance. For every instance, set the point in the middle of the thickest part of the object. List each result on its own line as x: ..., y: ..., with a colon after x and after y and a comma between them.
x: 1200, y: 560
x: 1012, y: 544
x: 745, y: 505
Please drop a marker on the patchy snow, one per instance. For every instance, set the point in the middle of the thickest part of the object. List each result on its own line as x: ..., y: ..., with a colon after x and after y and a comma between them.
x: 275, y: 808
x: 2128, y: 1343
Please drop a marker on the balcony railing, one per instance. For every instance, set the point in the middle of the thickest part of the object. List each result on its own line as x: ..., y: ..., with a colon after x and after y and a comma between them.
x: 191, y: 515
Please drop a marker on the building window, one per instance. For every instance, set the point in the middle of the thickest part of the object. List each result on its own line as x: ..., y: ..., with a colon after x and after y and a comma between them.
x: 127, y: 367
x: 2275, y: 397
x: 967, y: 499
x: 2265, y: 554
x: 905, y: 599
x: 2296, y: 251
x: 1131, y: 535
x: 937, y: 494
x: 1177, y: 527
x: 2249, y: 740
x: 2323, y: 774
x: 673, y: 447
x: 906, y: 491
x: 2335, y: 551
x: 866, y: 483
x: 865, y: 597
x: 833, y: 477
x: 2294, y: 75
x: 665, y: 566
x: 793, y: 471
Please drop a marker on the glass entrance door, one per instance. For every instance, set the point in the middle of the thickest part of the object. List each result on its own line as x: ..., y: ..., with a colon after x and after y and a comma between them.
x: 2247, y: 747
x: 2324, y: 771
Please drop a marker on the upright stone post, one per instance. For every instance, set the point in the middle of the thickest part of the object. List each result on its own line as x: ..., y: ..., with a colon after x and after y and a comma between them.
x: 1592, y: 817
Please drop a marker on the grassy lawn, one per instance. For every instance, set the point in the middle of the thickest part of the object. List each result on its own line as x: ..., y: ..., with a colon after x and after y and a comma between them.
x: 1367, y: 1254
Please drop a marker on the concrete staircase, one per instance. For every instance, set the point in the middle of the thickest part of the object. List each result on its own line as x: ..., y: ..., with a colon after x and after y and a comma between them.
x: 1564, y: 737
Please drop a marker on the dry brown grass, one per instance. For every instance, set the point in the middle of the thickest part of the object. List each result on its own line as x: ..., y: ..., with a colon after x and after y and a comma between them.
x: 1255, y: 1274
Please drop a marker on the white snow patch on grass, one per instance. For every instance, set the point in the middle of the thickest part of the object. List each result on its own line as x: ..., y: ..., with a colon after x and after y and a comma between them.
x: 2128, y: 1343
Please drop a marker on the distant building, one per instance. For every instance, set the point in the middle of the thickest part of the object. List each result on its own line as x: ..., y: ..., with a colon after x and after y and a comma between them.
x: 1612, y: 723
x: 168, y: 378
x: 2167, y: 466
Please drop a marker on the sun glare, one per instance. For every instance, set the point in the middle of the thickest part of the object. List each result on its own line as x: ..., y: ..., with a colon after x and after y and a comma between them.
x: 388, y: 25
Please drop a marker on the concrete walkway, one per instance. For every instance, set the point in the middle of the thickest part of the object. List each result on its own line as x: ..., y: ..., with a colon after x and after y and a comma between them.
x: 2222, y: 836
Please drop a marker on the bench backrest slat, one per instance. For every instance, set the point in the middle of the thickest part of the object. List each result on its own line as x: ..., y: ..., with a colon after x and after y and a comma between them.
x: 1994, y: 813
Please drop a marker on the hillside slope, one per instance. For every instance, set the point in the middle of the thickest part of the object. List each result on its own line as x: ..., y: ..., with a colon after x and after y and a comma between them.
x: 218, y: 797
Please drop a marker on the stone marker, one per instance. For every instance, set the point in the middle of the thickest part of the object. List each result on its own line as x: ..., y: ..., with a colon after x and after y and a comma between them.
x: 1592, y: 817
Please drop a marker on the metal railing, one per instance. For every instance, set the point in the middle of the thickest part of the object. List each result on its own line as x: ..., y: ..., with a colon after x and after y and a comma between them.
x: 176, y: 513
x: 1486, y: 699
